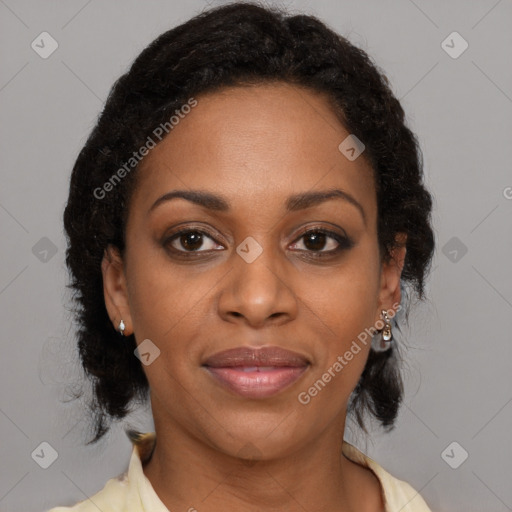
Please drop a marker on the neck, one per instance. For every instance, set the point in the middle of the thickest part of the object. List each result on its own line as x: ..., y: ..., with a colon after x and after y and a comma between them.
x: 189, y: 474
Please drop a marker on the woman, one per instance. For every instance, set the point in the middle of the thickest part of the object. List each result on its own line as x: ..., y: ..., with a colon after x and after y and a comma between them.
x: 242, y: 223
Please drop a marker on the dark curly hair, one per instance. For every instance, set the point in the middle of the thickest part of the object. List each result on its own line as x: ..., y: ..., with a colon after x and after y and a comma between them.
x: 238, y: 44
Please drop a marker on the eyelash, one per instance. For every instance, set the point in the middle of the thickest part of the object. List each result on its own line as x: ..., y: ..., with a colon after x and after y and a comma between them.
x: 344, y: 242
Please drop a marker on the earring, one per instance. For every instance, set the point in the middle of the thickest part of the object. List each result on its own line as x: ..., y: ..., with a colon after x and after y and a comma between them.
x: 384, y: 343
x: 121, y: 327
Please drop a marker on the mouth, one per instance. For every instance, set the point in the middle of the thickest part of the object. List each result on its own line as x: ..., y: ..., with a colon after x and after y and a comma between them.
x: 256, y: 373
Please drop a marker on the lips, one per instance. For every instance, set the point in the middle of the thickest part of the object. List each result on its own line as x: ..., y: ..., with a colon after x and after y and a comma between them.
x: 260, y: 357
x: 256, y: 373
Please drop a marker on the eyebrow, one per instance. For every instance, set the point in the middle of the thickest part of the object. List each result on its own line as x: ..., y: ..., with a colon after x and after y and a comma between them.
x: 293, y: 203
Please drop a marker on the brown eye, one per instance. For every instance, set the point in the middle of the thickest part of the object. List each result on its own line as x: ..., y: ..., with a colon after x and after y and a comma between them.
x: 323, y: 241
x: 191, y: 241
x: 315, y: 241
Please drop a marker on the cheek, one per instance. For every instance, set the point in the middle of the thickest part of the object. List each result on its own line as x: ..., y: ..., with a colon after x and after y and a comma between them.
x: 342, y: 313
x: 343, y: 316
x: 346, y: 297
x: 341, y: 309
x: 167, y: 309
x: 164, y: 299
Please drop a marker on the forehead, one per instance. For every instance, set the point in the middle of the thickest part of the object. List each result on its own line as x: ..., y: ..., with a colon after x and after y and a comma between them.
x: 253, y: 142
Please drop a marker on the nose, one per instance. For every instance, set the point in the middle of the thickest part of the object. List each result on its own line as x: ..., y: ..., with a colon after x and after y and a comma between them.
x: 258, y: 292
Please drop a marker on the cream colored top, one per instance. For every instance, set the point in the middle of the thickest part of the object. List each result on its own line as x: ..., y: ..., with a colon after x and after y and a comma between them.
x: 133, y: 492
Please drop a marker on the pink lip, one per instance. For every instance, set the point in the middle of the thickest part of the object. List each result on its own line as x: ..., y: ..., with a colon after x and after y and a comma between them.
x: 256, y: 373
x: 257, y: 384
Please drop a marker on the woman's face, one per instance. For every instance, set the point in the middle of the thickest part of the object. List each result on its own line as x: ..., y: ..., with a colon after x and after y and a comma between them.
x: 252, y: 277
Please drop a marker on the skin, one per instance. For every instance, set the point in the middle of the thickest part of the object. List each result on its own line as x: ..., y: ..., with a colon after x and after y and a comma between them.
x: 254, y: 146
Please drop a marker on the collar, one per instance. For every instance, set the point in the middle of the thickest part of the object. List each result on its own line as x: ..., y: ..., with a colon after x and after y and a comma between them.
x: 396, y: 494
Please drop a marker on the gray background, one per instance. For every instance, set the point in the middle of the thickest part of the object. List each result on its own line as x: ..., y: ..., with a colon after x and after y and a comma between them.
x: 458, y: 376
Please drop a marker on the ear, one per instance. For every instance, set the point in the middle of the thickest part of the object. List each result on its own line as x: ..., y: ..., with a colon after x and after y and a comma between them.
x: 391, y: 271
x: 115, y: 290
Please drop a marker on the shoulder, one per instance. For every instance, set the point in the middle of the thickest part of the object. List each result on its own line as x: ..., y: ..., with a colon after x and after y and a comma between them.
x: 111, y: 498
x: 121, y: 493
x: 397, y: 494
x: 401, y: 495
